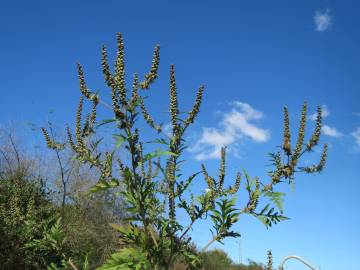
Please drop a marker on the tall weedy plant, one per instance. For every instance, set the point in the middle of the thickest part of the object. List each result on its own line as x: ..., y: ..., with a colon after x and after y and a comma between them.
x: 152, y: 184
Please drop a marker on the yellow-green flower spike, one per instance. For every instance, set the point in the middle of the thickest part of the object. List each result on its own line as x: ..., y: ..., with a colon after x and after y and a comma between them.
x: 301, y: 135
x: 323, y: 158
x: 209, y: 180
x: 319, y: 167
x: 254, y: 198
x: 83, y: 88
x: 86, y: 129
x: 317, y: 131
x: 105, y: 68
x: 78, y: 128
x: 119, y: 76
x: 275, y: 177
x: 50, y: 143
x: 107, y: 168
x: 236, y: 185
x: 152, y: 75
x: 286, y: 139
x: 196, y: 108
x: 70, y: 139
x: 135, y: 87
x: 171, y: 193
x: 93, y: 114
x: 174, y: 111
x: 222, y: 170
x: 115, y: 103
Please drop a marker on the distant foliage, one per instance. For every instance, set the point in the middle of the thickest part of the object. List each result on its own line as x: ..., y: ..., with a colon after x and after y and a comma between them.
x: 32, y: 234
x: 215, y: 259
x: 26, y: 215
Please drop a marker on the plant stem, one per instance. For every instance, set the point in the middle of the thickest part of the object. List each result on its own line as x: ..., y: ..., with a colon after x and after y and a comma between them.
x: 211, y: 241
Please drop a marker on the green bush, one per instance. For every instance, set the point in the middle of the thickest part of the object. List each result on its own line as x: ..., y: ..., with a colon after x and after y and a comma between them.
x: 26, y: 214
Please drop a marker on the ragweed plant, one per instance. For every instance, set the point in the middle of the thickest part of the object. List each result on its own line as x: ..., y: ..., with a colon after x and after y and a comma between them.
x: 153, y: 187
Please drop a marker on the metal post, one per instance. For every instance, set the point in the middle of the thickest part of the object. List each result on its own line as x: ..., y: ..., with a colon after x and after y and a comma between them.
x: 281, y: 267
x: 240, y: 251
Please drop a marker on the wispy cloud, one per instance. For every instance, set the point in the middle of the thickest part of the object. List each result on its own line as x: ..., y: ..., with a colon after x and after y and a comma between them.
x: 322, y: 20
x: 238, y: 123
x: 356, y: 135
x: 325, y: 129
x: 331, y: 131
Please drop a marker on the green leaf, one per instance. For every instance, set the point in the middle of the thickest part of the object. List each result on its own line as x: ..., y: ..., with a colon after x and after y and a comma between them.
x: 160, y: 141
x: 119, y: 140
x: 277, y: 198
x: 263, y: 220
x: 106, y: 121
x: 127, y: 259
x: 103, y: 185
x: 158, y: 153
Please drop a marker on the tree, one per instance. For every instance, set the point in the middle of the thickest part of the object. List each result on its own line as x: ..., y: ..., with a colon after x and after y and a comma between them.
x: 153, y: 187
x: 215, y: 260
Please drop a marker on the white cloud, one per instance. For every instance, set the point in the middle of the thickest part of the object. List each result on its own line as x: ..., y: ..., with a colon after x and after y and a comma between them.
x: 356, y: 135
x: 330, y: 131
x: 236, y: 124
x: 324, y: 113
x: 167, y: 129
x: 322, y: 20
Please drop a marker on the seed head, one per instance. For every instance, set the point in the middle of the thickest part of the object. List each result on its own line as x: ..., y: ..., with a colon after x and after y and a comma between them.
x: 83, y: 88
x: 236, y: 185
x: 107, y: 168
x: 115, y: 104
x: 135, y: 87
x: 78, y: 128
x: 254, y: 198
x: 49, y: 142
x: 93, y: 114
x: 105, y: 68
x: 323, y: 158
x: 70, y: 139
x: 152, y: 75
x: 301, y: 136
x: 209, y: 180
x: 221, y: 170
x: 87, y: 128
x: 196, y: 108
x: 119, y: 77
x: 174, y: 111
x: 317, y: 131
x: 286, y: 143
x: 319, y: 167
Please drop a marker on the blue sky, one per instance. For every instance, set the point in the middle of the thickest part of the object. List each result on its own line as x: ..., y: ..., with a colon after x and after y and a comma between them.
x: 254, y: 57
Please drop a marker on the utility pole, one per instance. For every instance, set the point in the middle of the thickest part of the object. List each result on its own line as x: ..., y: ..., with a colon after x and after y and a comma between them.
x: 240, y: 251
